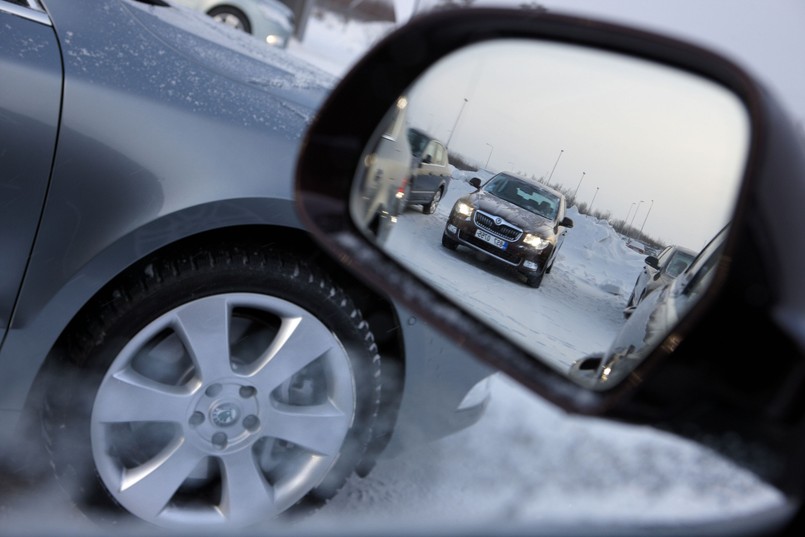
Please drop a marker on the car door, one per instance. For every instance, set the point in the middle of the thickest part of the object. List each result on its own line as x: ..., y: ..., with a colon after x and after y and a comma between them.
x: 30, y: 90
x: 430, y: 172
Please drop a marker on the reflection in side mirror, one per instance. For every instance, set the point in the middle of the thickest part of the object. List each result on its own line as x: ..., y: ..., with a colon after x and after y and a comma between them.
x: 568, y: 166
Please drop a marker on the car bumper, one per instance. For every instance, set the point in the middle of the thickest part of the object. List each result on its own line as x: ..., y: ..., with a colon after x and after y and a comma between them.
x: 446, y: 389
x: 517, y: 255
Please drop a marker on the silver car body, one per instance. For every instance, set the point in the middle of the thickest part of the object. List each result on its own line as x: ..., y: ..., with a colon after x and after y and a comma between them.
x: 132, y: 127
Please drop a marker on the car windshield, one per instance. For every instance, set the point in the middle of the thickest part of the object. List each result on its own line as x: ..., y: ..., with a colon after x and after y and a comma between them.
x: 418, y: 141
x: 524, y: 194
x: 678, y: 263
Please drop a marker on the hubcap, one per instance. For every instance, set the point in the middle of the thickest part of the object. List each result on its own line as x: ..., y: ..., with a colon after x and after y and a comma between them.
x: 239, y: 400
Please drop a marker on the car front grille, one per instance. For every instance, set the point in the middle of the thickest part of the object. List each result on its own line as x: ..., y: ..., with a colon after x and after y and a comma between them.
x: 497, y: 226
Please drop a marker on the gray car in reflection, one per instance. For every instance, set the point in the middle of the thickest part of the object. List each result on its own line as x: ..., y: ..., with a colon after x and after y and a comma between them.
x: 430, y: 171
x: 174, y: 344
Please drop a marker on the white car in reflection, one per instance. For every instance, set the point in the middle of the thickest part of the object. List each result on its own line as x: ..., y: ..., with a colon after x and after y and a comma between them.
x: 650, y: 321
x: 270, y: 21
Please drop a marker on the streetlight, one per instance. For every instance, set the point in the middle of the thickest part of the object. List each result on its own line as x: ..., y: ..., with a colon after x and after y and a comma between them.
x: 627, y: 216
x: 635, y: 213
x: 590, y: 208
x: 554, y: 164
x: 577, y: 186
x: 646, y: 218
x: 447, y: 145
x: 490, y: 155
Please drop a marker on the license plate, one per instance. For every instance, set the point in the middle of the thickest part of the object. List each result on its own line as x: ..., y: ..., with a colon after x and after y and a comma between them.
x: 486, y: 237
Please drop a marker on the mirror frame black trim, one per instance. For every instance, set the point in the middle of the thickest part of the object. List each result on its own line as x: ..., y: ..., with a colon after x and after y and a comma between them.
x: 334, y: 144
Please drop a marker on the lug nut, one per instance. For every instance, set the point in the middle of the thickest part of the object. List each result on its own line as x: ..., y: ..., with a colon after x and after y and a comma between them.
x: 251, y: 423
x: 213, y: 390
x: 219, y: 440
x: 197, y: 418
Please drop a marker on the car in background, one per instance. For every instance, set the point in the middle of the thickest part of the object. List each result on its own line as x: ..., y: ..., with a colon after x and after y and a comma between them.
x: 270, y: 21
x: 430, y: 171
x: 380, y: 195
x: 652, y: 318
x: 658, y: 271
x: 174, y: 346
x: 519, y: 223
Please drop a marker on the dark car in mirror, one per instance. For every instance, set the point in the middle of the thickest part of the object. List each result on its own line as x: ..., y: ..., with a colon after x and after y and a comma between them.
x: 519, y: 223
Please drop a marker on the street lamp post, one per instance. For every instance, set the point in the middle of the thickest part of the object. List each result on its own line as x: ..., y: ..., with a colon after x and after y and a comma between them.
x: 458, y: 117
x: 554, y: 164
x: 590, y: 208
x: 578, y: 185
x: 492, y: 148
x: 635, y: 213
x: 646, y: 218
x: 627, y: 216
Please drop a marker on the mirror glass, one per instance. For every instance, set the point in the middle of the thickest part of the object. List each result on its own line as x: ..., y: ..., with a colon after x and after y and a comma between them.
x: 558, y: 193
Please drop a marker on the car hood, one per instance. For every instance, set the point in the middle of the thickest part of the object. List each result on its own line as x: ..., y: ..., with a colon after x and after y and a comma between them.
x: 195, y: 58
x: 512, y: 213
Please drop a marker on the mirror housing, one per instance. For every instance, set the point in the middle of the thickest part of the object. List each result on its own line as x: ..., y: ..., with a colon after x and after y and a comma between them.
x: 704, y: 381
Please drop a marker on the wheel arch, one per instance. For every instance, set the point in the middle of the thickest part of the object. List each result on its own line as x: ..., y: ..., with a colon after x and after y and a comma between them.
x: 43, y: 338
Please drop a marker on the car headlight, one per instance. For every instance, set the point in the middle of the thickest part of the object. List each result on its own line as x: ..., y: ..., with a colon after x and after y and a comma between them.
x: 464, y: 209
x: 535, y: 241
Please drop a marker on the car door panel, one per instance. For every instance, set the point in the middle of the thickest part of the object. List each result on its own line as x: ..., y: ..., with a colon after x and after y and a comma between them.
x: 30, y: 91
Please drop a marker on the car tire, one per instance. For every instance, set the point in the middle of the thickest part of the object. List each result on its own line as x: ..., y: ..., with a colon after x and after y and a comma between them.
x: 232, y: 17
x: 145, y: 417
x: 430, y: 208
x: 449, y: 243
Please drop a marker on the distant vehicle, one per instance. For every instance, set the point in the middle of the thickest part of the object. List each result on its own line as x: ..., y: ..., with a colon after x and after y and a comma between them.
x: 381, y: 196
x: 271, y: 21
x: 658, y: 271
x: 430, y: 171
x: 519, y: 223
x: 637, y: 246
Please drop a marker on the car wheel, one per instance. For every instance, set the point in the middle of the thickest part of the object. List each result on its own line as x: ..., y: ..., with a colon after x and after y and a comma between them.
x: 449, y: 243
x: 232, y: 17
x: 430, y: 208
x: 215, y: 388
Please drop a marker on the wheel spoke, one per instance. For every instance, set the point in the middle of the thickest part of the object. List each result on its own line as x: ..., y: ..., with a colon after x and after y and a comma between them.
x: 320, y: 428
x: 151, y: 486
x: 203, y: 326
x: 129, y: 397
x: 245, y: 490
x: 299, y: 342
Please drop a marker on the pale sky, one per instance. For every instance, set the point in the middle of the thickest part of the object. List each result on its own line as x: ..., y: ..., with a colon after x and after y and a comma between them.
x: 628, y: 134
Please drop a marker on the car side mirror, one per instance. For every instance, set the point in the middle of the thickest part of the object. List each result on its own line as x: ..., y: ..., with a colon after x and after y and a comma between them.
x: 658, y: 88
x: 566, y: 222
x: 653, y: 262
